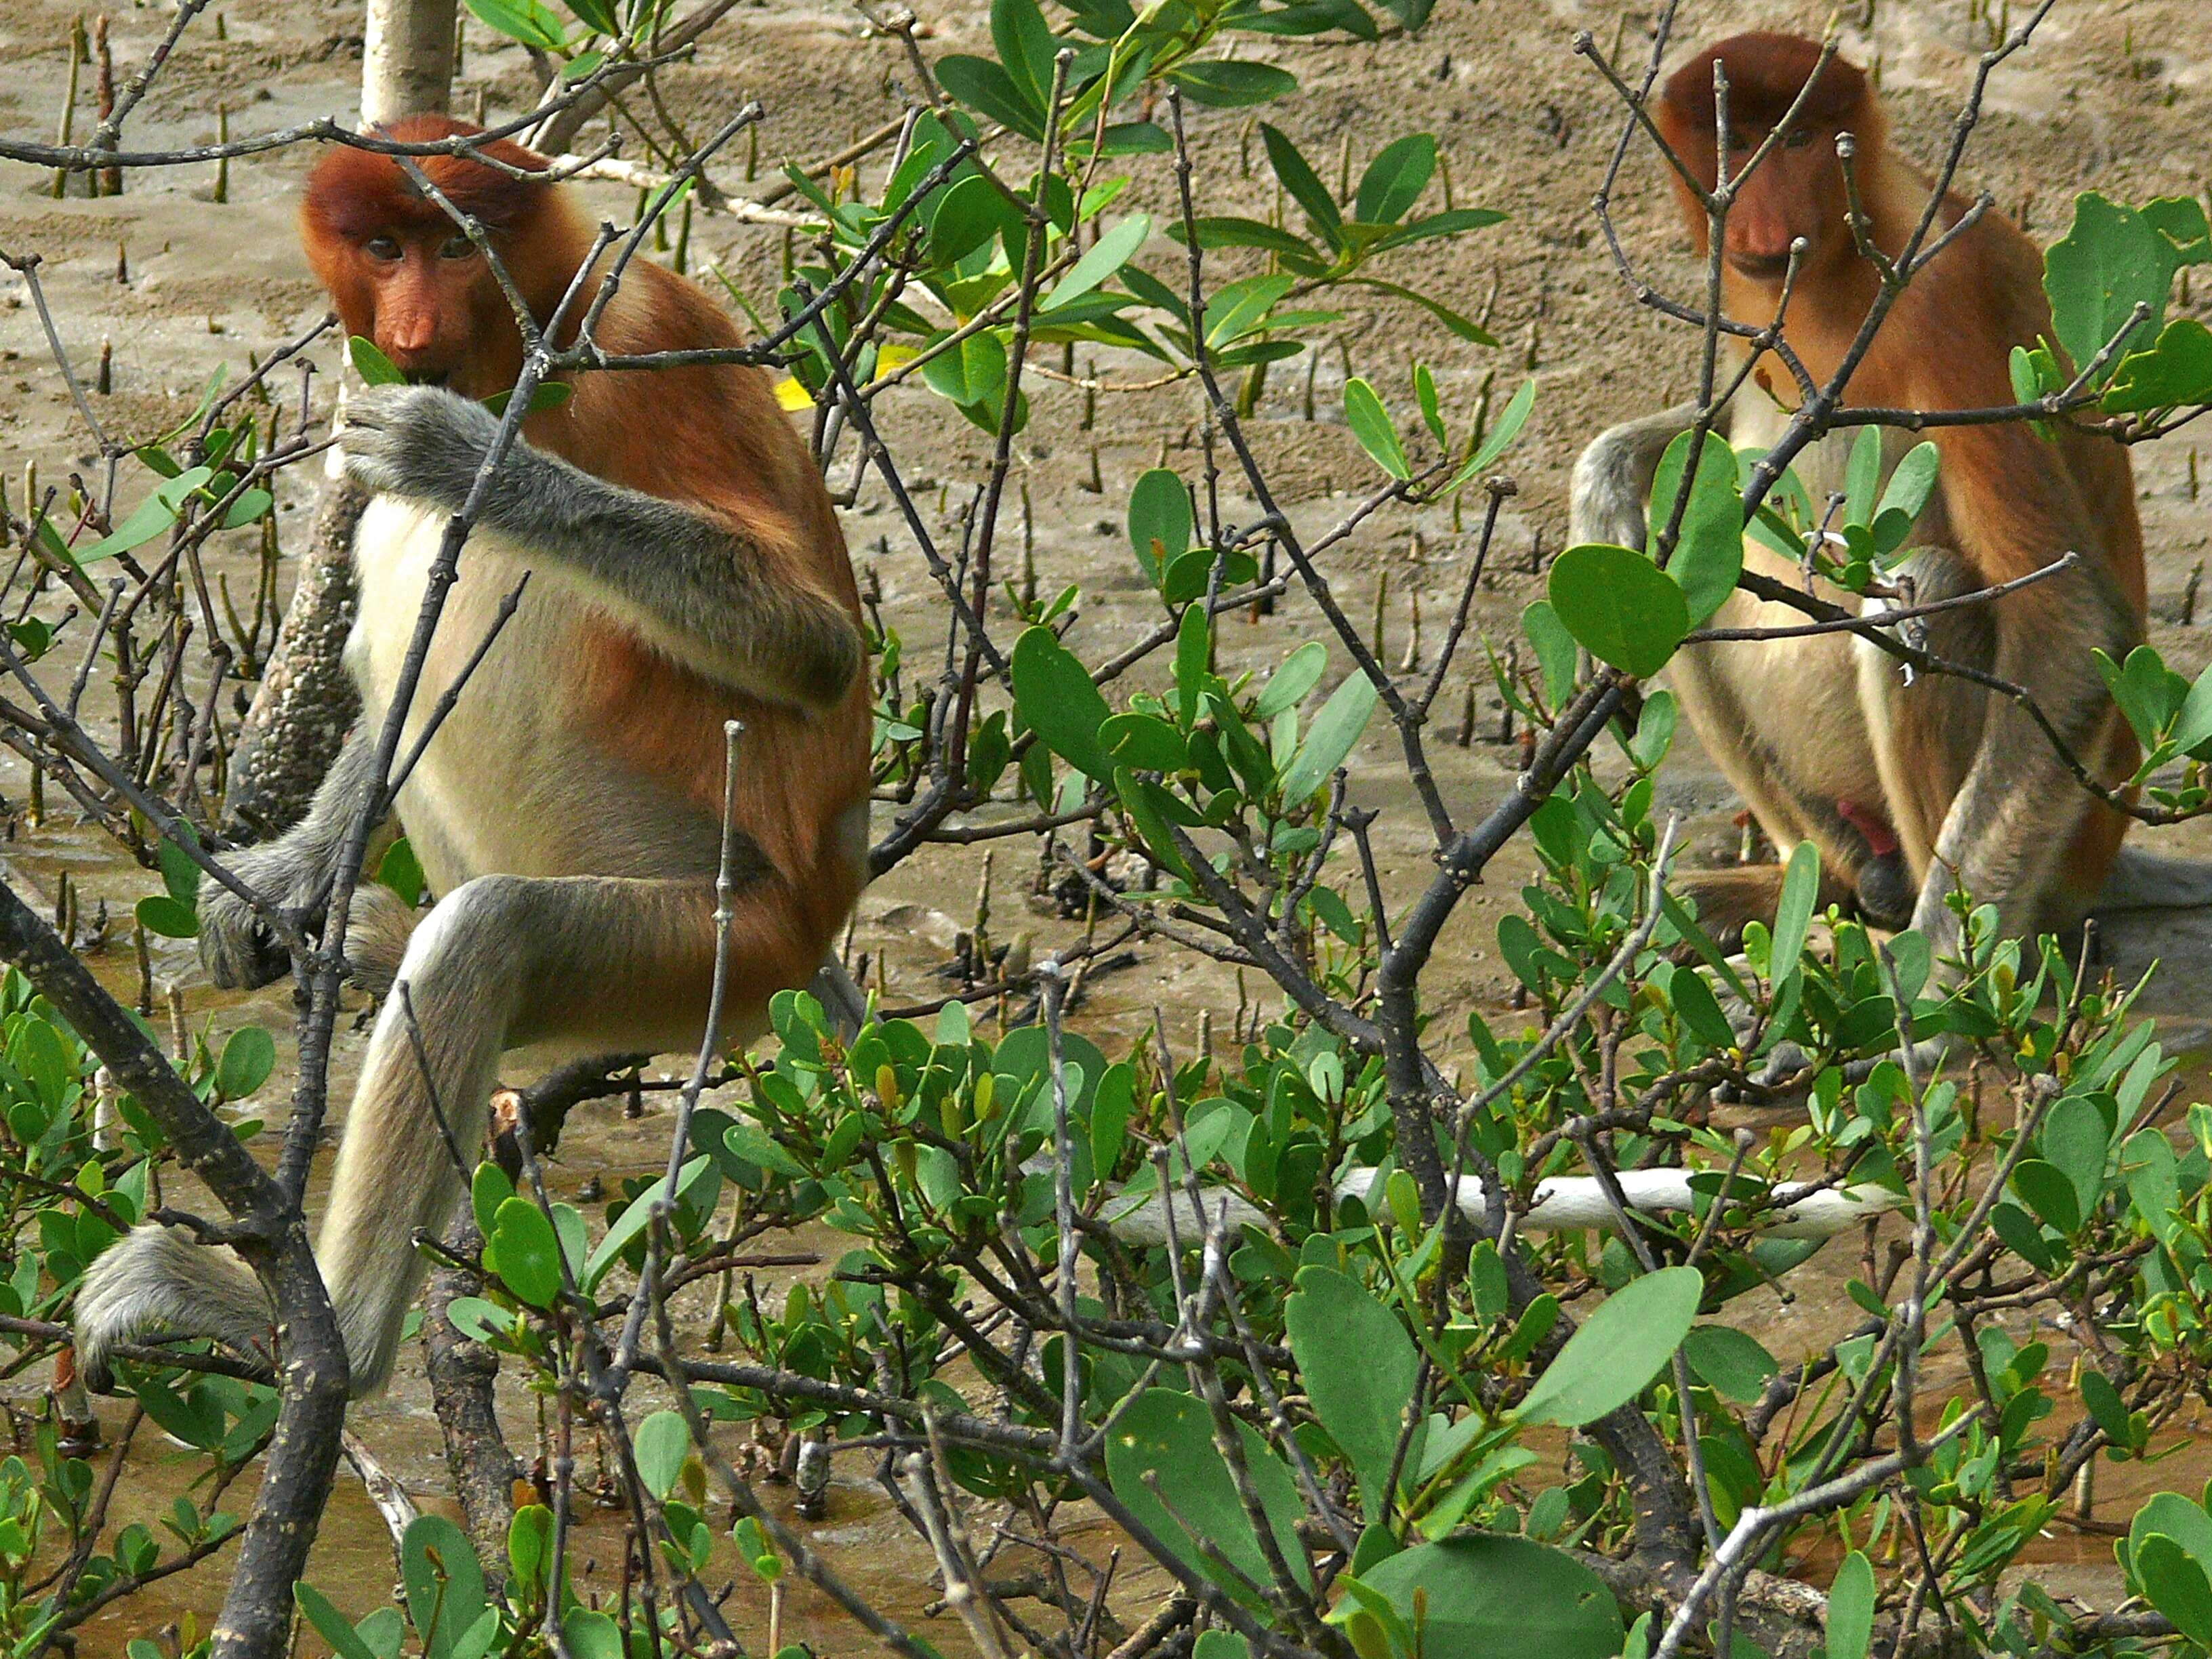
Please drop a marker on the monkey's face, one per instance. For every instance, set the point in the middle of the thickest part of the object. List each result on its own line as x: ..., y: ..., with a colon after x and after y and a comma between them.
x: 1762, y: 83
x: 1796, y: 193
x: 428, y: 298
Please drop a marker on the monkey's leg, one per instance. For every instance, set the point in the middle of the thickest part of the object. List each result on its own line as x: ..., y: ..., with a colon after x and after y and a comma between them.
x: 1973, y: 780
x: 503, y: 960
x: 601, y: 963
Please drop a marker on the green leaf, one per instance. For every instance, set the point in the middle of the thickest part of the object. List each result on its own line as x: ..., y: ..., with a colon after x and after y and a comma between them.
x: 546, y: 394
x: 1618, y: 1349
x: 522, y: 1251
x: 445, y: 1584
x: 1727, y: 1360
x: 1451, y: 222
x: 1147, y: 805
x: 2105, y: 1408
x: 1301, y: 672
x: 990, y: 92
x: 661, y: 1443
x: 1502, y: 431
x: 972, y: 372
x: 162, y: 915
x: 1331, y: 737
x: 1232, y: 83
x: 1160, y: 525
x: 1231, y: 231
x: 1113, y: 250
x: 1363, y: 413
x: 1621, y: 607
x: 1851, y: 1608
x: 149, y: 518
x: 2111, y: 260
x: 1359, y: 1368
x: 1555, y: 650
x: 1167, y: 1436
x: 970, y: 212
x: 1793, y: 916
x: 1053, y: 694
x: 1465, y: 327
x: 1193, y: 649
x: 1394, y: 179
x: 401, y: 872
x: 368, y: 359
x: 1305, y: 189
x: 1026, y: 48
x: 529, y: 1545
x: 1707, y: 554
x: 1424, y: 394
x: 637, y: 1215
x: 2177, y: 370
x: 2171, y: 1516
x: 2047, y: 1192
x: 330, y: 1624
x: 1862, y: 475
x: 1491, y: 1594
x: 246, y: 508
x: 1909, y: 485
x: 248, y: 1057
x: 2176, y: 1586
x: 1143, y: 743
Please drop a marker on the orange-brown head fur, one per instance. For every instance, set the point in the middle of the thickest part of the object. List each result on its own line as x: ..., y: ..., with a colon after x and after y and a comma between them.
x: 402, y: 274
x: 1798, y: 190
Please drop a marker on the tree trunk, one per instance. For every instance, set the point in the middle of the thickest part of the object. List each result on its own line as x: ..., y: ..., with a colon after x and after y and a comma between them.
x: 307, y: 702
x: 407, y: 64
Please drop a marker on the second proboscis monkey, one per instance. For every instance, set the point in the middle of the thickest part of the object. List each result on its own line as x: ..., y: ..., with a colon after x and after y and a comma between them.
x: 1908, y: 786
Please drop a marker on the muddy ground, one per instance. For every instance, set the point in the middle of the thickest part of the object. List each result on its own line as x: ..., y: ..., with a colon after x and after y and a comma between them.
x: 2116, y: 96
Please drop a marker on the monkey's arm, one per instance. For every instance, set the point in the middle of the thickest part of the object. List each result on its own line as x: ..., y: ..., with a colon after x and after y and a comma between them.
x: 706, y: 590
x: 295, y: 872
x: 1613, y: 478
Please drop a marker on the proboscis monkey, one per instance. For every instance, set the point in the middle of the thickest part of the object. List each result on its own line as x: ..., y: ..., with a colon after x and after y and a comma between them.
x: 1907, y: 789
x: 687, y: 569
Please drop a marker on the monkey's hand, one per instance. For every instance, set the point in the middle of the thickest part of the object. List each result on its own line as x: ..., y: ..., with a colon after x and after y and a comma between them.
x: 423, y: 442
x: 240, y: 950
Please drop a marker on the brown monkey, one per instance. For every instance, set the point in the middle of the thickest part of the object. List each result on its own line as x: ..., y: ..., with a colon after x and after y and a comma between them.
x: 687, y: 569
x: 1906, y: 789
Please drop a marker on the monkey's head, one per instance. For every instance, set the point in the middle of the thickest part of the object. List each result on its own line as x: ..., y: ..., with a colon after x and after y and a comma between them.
x: 401, y: 272
x: 1798, y: 190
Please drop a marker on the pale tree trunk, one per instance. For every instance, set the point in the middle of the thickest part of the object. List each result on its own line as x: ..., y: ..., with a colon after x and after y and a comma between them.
x: 407, y: 66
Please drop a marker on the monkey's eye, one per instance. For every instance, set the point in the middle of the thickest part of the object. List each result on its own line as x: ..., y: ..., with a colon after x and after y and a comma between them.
x: 385, y: 248
x: 456, y: 246
x: 1797, y: 137
x: 1739, y: 138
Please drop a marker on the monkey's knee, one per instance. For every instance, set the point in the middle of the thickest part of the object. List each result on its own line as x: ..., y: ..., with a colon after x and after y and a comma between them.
x: 240, y: 950
x: 1886, y: 892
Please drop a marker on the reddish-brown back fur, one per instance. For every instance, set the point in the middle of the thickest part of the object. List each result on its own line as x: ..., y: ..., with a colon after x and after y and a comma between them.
x: 711, y: 437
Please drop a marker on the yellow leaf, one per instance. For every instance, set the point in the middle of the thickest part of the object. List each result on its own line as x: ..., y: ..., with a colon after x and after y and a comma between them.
x: 792, y: 397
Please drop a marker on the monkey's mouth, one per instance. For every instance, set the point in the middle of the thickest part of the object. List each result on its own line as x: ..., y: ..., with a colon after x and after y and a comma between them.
x: 436, y: 377
x: 1764, y: 267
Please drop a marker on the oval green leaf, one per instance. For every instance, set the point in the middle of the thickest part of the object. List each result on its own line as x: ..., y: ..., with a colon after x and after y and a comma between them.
x: 1620, y: 605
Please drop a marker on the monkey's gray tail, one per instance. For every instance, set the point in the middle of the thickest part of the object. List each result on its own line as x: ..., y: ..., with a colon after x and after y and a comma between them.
x: 159, y: 1279
x: 2150, y: 881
